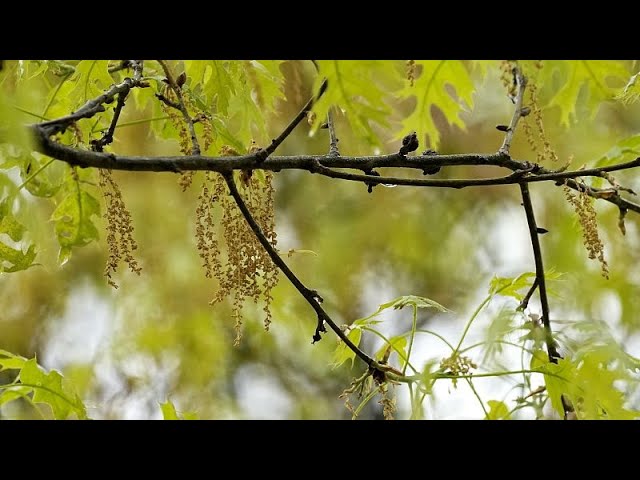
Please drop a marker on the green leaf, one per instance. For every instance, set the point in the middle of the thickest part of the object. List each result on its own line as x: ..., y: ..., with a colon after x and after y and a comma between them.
x: 48, y: 388
x: 90, y: 79
x: 359, y: 89
x: 13, y: 394
x: 41, y: 175
x: 501, y: 325
x: 72, y: 217
x: 513, y: 287
x: 17, y: 259
x: 498, y: 411
x: 509, y: 287
x: 169, y: 411
x: 9, y: 361
x: 433, y: 89
x: 414, y: 301
x: 221, y: 84
x: 397, y: 344
x: 623, y: 151
x: 343, y: 353
x: 600, y: 398
x: 267, y: 82
x: 590, y: 75
x: 429, y: 375
x: 401, y: 302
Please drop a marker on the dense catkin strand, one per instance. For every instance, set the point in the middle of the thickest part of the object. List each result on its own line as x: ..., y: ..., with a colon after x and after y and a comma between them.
x: 120, y: 239
x: 229, y: 249
x: 582, y: 203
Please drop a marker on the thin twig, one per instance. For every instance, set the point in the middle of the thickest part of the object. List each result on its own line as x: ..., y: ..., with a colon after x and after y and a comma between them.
x: 520, y: 84
x: 542, y: 286
x: 107, y: 138
x: 167, y: 102
x: 333, y: 140
x: 264, y: 153
x: 310, y: 296
x: 525, y: 301
x: 92, y: 107
x: 195, y: 146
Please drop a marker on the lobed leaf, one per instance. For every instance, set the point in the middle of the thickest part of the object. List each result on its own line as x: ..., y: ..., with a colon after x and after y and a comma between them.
x: 432, y: 89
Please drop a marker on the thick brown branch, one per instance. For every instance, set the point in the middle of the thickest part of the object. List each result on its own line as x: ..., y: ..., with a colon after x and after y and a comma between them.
x: 310, y: 296
x: 324, y: 163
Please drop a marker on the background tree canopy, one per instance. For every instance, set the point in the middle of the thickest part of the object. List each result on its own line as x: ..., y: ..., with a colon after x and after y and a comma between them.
x: 481, y: 268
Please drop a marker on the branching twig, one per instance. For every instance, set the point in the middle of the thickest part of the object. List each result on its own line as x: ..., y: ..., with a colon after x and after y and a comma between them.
x: 92, y: 107
x: 167, y: 102
x: 261, y: 155
x: 520, y: 84
x: 333, y: 140
x: 552, y: 349
x: 525, y: 301
x: 177, y: 89
x: 542, y: 287
x: 107, y: 138
x: 310, y: 296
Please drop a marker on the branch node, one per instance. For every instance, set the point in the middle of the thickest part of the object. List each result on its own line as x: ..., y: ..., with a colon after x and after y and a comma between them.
x: 410, y: 143
x: 373, y: 173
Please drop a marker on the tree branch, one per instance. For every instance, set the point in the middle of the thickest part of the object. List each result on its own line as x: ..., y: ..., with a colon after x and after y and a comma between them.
x: 323, y: 163
x: 92, y: 107
x: 311, y: 296
x: 542, y: 286
x: 554, y: 356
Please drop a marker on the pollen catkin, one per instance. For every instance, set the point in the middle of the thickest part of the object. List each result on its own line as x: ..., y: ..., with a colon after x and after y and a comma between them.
x: 119, y: 228
x: 245, y: 271
x: 457, y: 365
x: 583, y: 205
x: 184, y: 138
x: 534, y: 122
x: 411, y: 72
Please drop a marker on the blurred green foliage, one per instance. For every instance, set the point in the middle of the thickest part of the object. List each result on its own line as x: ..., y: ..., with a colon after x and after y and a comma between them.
x: 154, y: 348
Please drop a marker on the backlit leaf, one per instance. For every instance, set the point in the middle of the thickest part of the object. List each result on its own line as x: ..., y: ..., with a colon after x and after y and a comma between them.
x: 357, y: 88
x: 590, y: 75
x: 433, y: 89
x: 498, y: 411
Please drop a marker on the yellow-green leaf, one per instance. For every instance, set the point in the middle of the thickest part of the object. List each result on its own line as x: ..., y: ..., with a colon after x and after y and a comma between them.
x: 73, y: 218
x: 432, y: 89
x: 359, y: 89
x: 342, y: 352
x: 576, y: 75
x: 169, y: 411
x: 48, y: 388
x: 498, y: 411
